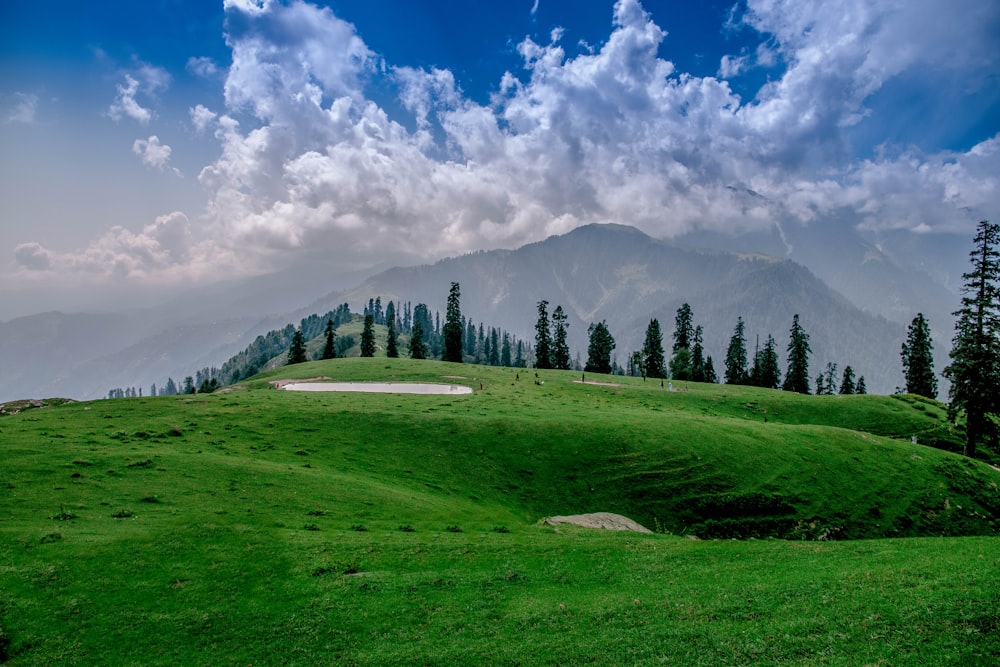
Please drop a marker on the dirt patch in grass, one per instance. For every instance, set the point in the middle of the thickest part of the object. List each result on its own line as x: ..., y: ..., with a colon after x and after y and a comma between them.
x: 605, y: 520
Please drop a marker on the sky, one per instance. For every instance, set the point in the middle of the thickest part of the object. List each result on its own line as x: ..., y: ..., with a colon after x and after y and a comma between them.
x: 172, y: 143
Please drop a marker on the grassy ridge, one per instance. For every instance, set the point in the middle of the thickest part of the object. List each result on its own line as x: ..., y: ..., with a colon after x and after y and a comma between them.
x: 264, y: 526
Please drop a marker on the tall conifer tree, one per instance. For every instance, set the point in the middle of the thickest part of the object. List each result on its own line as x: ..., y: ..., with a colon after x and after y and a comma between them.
x: 418, y: 348
x: 297, y: 352
x: 329, y: 348
x: 918, y: 359
x: 797, y: 378
x: 652, y: 351
x: 736, y: 356
x: 975, y: 355
x: 599, y: 350
x: 453, y: 330
x: 543, y: 339
x: 368, y: 336
x: 560, y: 345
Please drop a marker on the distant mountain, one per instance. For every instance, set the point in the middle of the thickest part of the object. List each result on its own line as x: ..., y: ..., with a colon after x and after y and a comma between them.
x: 82, y: 355
x: 619, y: 274
x: 596, y: 272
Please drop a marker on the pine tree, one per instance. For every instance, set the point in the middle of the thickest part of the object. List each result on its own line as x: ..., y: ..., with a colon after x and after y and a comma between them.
x: 918, y: 359
x: 470, y: 339
x: 560, y: 346
x: 494, y: 347
x: 652, y: 351
x: 418, y: 349
x: 767, y: 374
x: 297, y: 353
x: 368, y: 337
x: 697, y: 356
x: 391, y: 345
x: 736, y: 356
x: 329, y: 348
x: 830, y: 382
x: 847, y: 385
x: 797, y: 378
x: 599, y: 350
x: 683, y: 329
x: 975, y: 355
x: 543, y: 340
x: 453, y: 327
x: 861, y: 388
x: 680, y: 364
x: 710, y: 375
x: 505, y: 351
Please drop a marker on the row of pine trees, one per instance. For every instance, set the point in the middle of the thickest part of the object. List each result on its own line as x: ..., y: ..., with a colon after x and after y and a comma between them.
x: 974, y: 372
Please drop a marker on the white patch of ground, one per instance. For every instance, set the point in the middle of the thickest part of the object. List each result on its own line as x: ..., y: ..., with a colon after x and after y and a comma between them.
x: 605, y: 520
x: 597, y: 384
x: 379, y: 387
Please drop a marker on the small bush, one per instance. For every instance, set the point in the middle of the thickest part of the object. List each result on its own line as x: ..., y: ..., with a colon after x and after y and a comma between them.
x: 150, y: 499
x: 406, y: 528
x: 63, y: 515
x: 453, y: 529
x: 310, y: 526
x: 359, y: 527
x: 123, y: 514
x: 140, y: 464
x: 51, y: 537
x: 317, y: 513
x: 301, y: 452
x: 501, y: 529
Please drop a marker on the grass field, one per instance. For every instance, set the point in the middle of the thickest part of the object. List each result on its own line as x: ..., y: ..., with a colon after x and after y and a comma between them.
x: 268, y: 527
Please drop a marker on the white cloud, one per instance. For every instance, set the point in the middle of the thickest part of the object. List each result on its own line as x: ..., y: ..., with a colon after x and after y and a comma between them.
x: 309, y: 164
x: 24, y: 109
x: 125, y: 104
x: 163, y: 250
x: 144, y: 79
x: 203, y: 66
x: 202, y: 117
x: 151, y: 151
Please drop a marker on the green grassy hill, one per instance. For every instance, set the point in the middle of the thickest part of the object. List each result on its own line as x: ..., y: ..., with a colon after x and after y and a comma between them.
x: 259, y: 526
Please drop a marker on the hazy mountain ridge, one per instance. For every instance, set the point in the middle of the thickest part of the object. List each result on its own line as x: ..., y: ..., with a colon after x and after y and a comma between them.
x: 611, y: 272
x: 621, y: 275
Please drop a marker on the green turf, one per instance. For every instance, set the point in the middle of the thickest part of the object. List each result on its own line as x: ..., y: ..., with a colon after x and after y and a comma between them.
x: 264, y: 527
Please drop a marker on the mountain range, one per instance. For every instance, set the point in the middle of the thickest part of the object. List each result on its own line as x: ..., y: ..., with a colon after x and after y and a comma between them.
x: 597, y: 272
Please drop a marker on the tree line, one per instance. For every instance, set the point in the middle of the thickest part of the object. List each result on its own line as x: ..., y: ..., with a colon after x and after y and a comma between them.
x: 974, y: 370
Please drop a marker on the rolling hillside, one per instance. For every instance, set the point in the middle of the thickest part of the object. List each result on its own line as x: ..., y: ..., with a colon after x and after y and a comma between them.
x: 261, y: 526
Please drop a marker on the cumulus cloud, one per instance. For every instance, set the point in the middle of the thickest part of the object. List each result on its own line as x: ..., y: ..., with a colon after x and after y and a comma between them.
x: 144, y: 79
x: 151, y: 151
x: 309, y: 164
x: 24, y: 109
x: 202, y: 117
x: 163, y: 249
x: 33, y: 256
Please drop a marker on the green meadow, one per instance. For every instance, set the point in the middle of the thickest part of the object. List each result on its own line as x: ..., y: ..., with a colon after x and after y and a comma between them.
x: 255, y: 526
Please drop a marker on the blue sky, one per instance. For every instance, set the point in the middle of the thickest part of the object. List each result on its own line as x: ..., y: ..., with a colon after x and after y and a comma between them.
x: 175, y: 142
